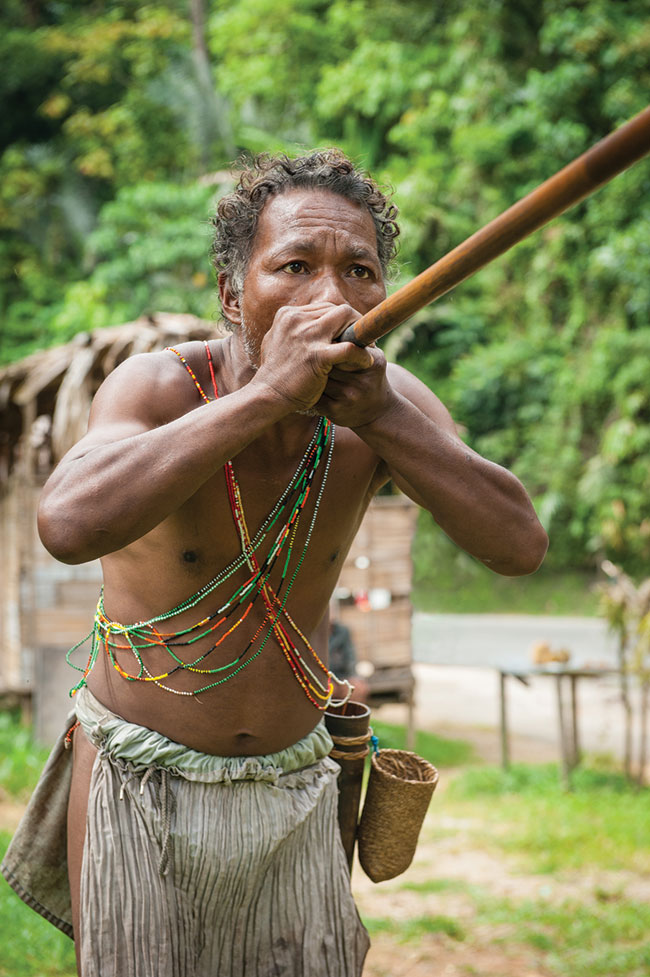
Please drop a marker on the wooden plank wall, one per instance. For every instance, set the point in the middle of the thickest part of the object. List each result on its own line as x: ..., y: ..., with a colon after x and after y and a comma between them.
x: 45, y: 608
x: 12, y: 677
x: 379, y: 566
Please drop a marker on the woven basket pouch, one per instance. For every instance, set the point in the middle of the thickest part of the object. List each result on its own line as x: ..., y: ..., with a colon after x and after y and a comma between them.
x: 400, y: 788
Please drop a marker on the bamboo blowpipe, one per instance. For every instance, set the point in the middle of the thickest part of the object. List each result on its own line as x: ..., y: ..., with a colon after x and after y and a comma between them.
x: 597, y: 166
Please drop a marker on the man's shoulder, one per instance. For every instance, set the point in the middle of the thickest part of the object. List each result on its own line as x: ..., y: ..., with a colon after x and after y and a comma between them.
x: 161, y: 384
x: 193, y: 348
x: 170, y: 362
x: 145, y: 374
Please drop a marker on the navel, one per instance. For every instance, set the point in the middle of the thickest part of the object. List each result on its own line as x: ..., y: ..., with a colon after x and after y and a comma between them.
x: 190, y: 556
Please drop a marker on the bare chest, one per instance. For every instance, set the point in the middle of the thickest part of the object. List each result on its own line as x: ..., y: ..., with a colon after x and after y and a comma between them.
x: 297, y: 535
x: 233, y: 571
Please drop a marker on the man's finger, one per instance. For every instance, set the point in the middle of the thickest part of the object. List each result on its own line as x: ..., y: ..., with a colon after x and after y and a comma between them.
x: 349, y: 358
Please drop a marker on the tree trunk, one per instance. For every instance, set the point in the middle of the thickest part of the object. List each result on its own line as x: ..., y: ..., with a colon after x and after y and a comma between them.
x: 197, y: 16
x: 216, y: 125
x: 643, y: 731
x: 624, y: 686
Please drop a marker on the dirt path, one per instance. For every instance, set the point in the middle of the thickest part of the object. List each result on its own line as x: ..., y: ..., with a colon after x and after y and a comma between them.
x: 452, y: 863
x: 479, y: 950
x: 474, y: 951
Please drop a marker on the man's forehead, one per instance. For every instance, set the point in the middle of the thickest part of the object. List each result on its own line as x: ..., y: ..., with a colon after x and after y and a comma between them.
x: 303, y: 214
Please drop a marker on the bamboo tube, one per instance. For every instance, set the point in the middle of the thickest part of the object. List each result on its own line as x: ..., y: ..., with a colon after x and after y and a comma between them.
x: 348, y: 727
x: 569, y: 186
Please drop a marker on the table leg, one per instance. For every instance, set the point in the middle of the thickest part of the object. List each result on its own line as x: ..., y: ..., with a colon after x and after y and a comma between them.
x: 410, y: 724
x: 505, y: 747
x: 575, y: 745
x: 564, y: 753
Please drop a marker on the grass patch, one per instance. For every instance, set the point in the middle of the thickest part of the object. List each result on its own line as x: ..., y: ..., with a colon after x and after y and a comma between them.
x: 412, y: 930
x: 21, y: 760
x: 437, y: 750
x: 577, y: 939
x: 448, y: 581
x: 594, y: 937
x: 602, y: 823
x: 536, y: 780
x: 30, y: 946
x: 435, y: 885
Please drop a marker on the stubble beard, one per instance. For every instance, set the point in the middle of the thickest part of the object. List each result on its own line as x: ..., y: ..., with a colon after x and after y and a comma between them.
x: 251, y: 348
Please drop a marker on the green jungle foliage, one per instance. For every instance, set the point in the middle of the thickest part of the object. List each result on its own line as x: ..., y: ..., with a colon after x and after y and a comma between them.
x: 120, y: 120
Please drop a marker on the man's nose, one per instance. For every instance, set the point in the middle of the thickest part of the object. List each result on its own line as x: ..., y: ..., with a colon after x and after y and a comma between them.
x: 329, y: 287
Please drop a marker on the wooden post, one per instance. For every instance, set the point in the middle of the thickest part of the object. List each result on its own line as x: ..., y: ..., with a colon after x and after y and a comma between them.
x: 410, y: 724
x: 10, y: 667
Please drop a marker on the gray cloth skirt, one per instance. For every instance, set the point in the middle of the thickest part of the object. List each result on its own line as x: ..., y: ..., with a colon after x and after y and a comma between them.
x: 194, y: 865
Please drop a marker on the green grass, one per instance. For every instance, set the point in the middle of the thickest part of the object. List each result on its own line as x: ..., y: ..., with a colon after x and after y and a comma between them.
x: 21, y: 760
x: 434, y: 885
x: 571, y: 939
x: 30, y: 946
x: 603, y: 822
x: 543, y: 780
x: 524, y: 815
x: 448, y: 581
x: 437, y: 750
x: 577, y: 939
x: 406, y: 931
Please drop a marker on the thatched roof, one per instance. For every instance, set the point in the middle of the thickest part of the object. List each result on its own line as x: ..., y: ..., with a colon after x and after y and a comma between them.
x: 45, y: 398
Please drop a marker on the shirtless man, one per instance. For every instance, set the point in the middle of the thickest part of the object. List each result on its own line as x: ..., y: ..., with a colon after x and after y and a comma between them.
x: 301, y: 249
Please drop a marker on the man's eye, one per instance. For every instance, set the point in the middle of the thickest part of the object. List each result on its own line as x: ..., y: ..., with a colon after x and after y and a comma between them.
x: 360, y: 271
x: 294, y: 267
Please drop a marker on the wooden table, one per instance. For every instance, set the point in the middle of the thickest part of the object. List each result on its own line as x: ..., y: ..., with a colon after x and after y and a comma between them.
x: 566, y: 688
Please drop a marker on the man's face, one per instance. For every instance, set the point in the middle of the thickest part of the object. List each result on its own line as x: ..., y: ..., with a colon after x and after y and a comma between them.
x: 310, y: 246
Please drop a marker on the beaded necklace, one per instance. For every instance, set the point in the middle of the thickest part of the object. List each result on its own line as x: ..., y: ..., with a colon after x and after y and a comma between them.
x: 310, y: 672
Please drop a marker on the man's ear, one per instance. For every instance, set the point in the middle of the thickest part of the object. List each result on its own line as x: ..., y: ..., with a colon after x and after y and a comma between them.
x: 229, y: 299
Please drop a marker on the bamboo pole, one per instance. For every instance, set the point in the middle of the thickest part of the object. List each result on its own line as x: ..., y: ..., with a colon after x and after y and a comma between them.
x: 587, y: 173
x: 348, y: 726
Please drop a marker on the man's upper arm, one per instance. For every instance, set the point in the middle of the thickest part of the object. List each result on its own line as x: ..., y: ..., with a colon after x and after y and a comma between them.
x: 127, y: 403
x: 428, y: 408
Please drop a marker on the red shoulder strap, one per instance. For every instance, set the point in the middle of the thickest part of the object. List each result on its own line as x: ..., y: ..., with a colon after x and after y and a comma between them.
x: 172, y: 349
x: 211, y: 365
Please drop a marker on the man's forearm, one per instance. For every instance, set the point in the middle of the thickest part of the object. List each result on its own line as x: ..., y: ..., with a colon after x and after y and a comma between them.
x: 101, y: 499
x: 480, y: 505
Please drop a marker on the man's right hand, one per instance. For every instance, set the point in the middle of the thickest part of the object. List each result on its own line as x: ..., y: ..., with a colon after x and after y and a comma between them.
x: 298, y: 352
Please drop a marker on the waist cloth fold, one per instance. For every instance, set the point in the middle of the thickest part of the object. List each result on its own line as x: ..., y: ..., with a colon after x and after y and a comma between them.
x: 194, y: 865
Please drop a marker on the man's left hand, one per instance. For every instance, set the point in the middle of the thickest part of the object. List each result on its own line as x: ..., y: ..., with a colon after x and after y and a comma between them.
x: 354, y: 397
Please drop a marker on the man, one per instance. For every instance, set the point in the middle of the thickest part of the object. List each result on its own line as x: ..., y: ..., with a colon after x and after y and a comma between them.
x: 221, y: 487
x: 342, y: 659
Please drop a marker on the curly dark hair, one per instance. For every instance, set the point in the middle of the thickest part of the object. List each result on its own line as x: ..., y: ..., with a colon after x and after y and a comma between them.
x: 235, y: 221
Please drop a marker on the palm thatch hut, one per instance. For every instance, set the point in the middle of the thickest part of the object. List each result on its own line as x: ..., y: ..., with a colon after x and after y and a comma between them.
x: 46, y: 606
